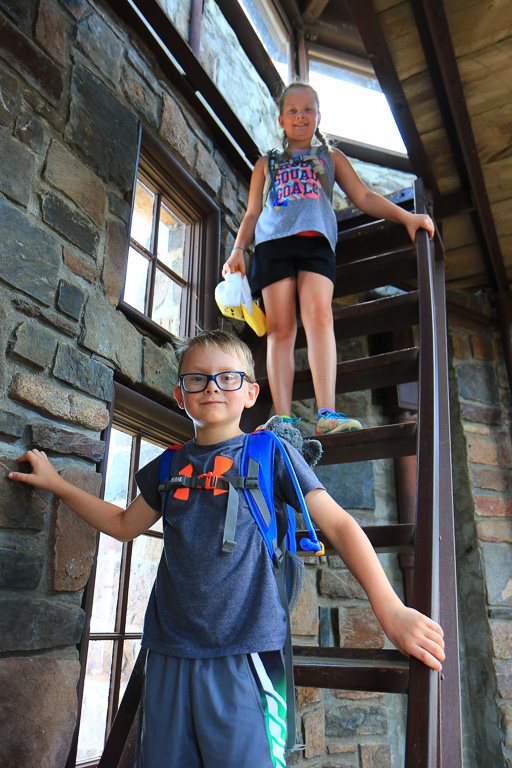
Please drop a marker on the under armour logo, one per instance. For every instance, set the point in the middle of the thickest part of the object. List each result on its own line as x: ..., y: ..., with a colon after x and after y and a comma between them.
x: 220, y: 466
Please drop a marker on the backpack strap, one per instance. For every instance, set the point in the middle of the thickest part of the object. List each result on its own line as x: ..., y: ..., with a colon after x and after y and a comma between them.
x: 258, y: 453
x: 207, y: 481
x: 164, y: 472
x: 259, y: 448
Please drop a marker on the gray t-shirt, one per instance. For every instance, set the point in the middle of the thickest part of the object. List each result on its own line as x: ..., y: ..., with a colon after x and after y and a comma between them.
x: 206, y: 602
x: 307, y: 206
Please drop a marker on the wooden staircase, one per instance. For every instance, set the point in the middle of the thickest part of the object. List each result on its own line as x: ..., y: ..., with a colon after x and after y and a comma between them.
x: 371, y: 255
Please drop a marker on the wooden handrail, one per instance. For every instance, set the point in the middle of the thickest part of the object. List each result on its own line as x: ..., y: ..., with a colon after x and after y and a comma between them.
x: 421, y: 743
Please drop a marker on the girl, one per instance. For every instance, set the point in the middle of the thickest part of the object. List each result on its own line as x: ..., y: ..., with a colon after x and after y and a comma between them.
x: 295, y: 234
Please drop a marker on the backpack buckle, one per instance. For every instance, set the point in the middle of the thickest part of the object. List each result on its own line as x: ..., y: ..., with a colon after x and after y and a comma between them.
x: 209, y: 483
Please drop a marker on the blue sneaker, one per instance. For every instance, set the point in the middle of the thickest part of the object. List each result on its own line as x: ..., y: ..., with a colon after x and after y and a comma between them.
x: 330, y: 422
x: 273, y: 419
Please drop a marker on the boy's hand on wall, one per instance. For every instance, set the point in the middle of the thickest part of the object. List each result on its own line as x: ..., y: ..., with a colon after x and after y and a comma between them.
x: 43, y: 474
x: 415, y: 635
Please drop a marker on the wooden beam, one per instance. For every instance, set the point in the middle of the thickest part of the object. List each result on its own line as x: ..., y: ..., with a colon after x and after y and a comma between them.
x: 313, y: 10
x: 386, y: 158
x: 194, y: 30
x: 374, y: 41
x: 252, y: 45
x: 437, y: 44
x: 187, y: 75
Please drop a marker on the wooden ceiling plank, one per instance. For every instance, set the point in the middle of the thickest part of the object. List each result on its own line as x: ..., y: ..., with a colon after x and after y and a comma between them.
x: 437, y: 43
x: 486, y: 78
x: 371, y: 33
x: 476, y: 25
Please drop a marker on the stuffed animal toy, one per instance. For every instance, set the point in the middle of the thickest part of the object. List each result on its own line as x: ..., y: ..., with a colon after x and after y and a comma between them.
x: 311, y: 450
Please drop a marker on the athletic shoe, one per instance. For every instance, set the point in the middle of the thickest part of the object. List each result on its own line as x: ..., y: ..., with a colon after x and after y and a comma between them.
x: 273, y: 419
x: 330, y: 422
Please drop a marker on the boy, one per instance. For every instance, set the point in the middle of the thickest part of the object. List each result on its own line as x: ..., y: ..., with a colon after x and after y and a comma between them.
x: 214, y: 625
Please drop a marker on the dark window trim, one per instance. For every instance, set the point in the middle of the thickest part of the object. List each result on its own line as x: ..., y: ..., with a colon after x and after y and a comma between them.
x: 137, y: 412
x: 199, y: 309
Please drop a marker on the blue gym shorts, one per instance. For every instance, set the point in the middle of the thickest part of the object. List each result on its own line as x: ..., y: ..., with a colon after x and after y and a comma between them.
x: 224, y: 712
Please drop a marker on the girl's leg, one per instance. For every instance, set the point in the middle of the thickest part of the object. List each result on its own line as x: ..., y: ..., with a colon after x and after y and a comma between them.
x: 280, y: 310
x: 315, y: 297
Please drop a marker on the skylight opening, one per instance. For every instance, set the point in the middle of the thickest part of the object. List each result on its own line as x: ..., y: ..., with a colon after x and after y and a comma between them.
x: 352, y: 105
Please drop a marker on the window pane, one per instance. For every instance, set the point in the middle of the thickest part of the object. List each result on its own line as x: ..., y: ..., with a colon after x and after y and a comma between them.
x: 118, y: 468
x: 106, y: 586
x: 149, y: 451
x: 142, y: 219
x: 145, y: 558
x: 136, y: 280
x: 131, y: 650
x: 167, y: 303
x: 93, y: 721
x: 171, y: 239
x: 353, y: 106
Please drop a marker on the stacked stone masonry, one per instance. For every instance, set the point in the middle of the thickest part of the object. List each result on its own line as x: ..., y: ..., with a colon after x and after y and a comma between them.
x: 73, y: 88
x: 481, y: 421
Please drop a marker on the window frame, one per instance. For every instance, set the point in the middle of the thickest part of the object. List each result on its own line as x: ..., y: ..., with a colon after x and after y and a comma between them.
x: 146, y: 419
x: 202, y: 242
x: 346, y: 62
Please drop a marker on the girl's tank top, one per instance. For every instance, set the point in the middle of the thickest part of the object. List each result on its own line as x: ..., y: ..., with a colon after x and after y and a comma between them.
x: 302, y: 203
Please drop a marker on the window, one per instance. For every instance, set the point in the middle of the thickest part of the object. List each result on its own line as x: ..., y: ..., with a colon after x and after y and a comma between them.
x: 272, y: 32
x: 157, y: 259
x: 173, y: 258
x: 352, y: 104
x: 125, y: 572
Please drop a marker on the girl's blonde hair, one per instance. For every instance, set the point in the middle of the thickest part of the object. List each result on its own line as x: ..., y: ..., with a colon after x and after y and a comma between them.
x: 301, y: 84
x: 226, y: 342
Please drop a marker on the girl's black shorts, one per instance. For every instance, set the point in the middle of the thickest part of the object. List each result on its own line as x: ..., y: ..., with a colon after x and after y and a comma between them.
x: 287, y: 256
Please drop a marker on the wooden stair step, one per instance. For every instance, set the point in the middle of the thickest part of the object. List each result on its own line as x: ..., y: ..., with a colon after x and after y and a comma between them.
x: 364, y: 274
x: 384, y: 370
x: 369, y: 240
x: 385, y: 671
x: 369, y: 317
x: 386, y: 442
x: 384, y: 538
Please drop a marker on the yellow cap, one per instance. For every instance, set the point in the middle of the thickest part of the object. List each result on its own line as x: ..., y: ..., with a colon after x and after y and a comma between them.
x: 257, y: 321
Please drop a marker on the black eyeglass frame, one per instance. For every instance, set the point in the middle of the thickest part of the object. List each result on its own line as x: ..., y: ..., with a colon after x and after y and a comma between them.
x: 212, y: 377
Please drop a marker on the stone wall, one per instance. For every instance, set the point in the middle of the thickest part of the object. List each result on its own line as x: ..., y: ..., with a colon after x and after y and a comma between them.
x: 482, y: 460
x: 73, y: 86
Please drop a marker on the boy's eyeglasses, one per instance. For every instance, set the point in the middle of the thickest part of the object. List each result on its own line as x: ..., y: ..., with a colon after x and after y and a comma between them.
x: 228, y: 381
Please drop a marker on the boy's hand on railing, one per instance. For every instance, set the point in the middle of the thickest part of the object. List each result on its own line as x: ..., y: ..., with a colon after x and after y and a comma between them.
x: 415, y: 635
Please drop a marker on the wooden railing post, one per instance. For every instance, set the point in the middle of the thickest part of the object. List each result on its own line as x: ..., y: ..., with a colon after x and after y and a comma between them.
x: 423, y: 706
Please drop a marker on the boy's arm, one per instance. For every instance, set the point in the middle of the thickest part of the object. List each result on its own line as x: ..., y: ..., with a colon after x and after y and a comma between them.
x: 373, y: 204
x: 412, y: 632
x: 122, y: 524
x: 245, y: 234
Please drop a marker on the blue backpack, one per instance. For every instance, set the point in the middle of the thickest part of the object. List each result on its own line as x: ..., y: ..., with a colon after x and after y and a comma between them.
x: 257, y: 482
